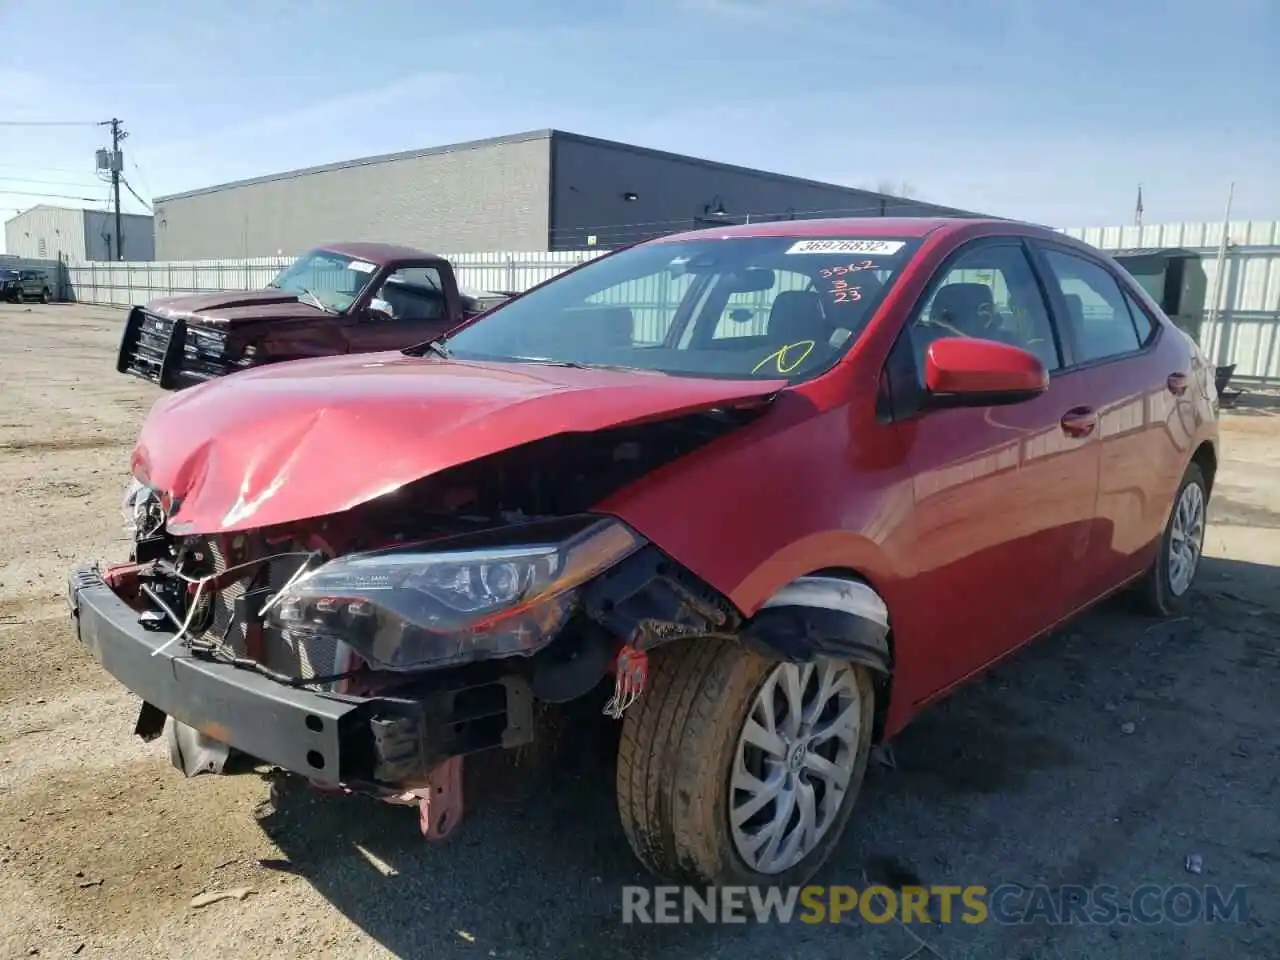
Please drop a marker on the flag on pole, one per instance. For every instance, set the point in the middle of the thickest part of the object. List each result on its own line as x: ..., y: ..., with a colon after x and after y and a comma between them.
x: 1137, y: 210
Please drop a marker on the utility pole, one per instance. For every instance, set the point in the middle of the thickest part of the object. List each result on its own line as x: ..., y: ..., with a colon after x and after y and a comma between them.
x: 115, y: 163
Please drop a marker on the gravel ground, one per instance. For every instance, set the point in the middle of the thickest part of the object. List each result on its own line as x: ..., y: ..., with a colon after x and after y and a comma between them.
x: 1103, y: 755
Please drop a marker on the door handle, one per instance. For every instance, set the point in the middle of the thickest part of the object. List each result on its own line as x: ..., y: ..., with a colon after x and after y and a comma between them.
x: 1079, y: 421
x: 1177, y: 383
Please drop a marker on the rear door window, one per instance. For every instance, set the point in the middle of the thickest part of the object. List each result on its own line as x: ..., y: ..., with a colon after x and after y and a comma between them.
x: 1099, y: 317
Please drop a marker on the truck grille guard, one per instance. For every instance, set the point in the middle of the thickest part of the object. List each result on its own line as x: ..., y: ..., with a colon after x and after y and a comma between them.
x: 155, y: 348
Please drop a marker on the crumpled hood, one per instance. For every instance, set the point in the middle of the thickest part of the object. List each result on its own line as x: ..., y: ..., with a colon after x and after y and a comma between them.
x: 289, y: 441
x: 234, y: 308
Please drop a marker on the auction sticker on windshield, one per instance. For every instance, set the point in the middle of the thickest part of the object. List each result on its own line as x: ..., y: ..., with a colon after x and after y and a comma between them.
x: 847, y: 246
x: 361, y: 266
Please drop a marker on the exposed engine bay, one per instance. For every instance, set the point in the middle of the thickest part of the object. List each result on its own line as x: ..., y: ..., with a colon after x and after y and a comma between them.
x: 478, y: 591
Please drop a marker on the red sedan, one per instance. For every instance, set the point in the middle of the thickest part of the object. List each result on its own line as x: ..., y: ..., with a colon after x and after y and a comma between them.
x: 768, y: 490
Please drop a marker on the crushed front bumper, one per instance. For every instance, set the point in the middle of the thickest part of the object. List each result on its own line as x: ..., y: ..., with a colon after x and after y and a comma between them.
x: 378, y: 744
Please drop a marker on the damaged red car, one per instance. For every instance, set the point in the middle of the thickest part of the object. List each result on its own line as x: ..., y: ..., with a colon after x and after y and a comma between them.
x: 769, y: 489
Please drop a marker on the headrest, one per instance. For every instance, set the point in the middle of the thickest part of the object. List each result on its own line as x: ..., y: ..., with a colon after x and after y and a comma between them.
x: 797, y: 315
x: 966, y: 306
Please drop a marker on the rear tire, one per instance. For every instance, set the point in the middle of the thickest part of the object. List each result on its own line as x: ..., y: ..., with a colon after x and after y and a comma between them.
x: 1164, y: 590
x: 685, y: 744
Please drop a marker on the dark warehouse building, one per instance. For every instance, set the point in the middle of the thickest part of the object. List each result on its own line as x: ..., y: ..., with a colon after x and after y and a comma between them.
x: 543, y: 190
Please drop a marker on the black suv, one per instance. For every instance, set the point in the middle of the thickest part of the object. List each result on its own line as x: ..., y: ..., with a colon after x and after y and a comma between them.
x: 19, y: 285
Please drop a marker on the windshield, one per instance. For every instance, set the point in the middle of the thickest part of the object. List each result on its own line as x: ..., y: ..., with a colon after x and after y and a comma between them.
x: 326, y: 279
x: 749, y: 307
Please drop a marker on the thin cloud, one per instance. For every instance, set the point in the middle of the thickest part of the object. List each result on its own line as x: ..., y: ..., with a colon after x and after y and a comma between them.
x: 777, y: 13
x: 414, y: 88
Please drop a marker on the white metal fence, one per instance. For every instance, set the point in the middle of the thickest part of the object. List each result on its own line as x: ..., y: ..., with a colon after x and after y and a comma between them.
x: 1245, y: 327
x: 1244, y: 330
x: 126, y: 284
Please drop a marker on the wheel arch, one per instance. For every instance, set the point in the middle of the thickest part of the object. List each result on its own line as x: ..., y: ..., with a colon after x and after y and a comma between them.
x: 836, y: 612
x: 1206, y: 458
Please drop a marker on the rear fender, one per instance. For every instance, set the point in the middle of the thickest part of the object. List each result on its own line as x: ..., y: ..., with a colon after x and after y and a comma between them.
x: 824, y: 616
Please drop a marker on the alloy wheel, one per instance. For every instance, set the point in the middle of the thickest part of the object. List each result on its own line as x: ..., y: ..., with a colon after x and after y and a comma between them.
x: 1186, y: 538
x: 794, y: 761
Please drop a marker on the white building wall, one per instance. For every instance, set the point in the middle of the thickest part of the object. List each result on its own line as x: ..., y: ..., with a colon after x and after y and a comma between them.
x: 76, y: 236
x: 46, y: 233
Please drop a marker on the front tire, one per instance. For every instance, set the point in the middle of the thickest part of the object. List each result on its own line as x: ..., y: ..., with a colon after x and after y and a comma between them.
x: 1164, y: 590
x: 736, y: 769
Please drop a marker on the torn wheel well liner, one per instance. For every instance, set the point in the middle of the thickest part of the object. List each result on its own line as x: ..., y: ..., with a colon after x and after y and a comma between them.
x: 831, y: 613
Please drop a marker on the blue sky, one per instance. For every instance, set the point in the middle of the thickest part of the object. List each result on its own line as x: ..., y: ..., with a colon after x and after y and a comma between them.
x: 1047, y: 111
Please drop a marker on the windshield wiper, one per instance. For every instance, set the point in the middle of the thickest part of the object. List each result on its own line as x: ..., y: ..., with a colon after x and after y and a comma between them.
x: 312, y: 299
x: 437, y: 345
x: 576, y: 365
x: 547, y: 361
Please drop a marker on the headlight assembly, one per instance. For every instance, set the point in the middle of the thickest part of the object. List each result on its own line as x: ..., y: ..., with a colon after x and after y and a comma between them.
x: 206, y: 343
x: 415, y: 607
x: 142, y: 509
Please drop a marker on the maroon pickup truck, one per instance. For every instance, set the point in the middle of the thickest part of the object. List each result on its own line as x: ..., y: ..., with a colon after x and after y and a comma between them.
x: 335, y: 299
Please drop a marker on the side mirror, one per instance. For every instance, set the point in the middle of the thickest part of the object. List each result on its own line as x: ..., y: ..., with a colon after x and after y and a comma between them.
x: 964, y: 372
x: 380, y: 310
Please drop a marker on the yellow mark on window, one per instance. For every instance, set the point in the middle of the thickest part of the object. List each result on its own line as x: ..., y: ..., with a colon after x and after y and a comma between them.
x: 785, y: 359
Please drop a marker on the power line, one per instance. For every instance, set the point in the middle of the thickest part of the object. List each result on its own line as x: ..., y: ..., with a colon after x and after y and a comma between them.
x: 38, y: 166
x: 129, y: 187
x: 54, y: 196
x: 47, y: 183
x: 49, y: 123
x: 142, y: 176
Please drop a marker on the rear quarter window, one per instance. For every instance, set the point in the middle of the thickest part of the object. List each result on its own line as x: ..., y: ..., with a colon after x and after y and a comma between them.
x: 1142, y: 322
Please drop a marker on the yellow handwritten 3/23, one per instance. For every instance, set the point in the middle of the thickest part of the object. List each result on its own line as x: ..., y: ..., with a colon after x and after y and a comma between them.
x: 879, y: 904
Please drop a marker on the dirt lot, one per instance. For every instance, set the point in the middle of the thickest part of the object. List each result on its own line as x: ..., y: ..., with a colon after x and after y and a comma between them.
x: 1105, y: 754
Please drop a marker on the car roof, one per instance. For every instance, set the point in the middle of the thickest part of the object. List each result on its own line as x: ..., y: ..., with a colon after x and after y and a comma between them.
x: 377, y: 252
x: 905, y: 227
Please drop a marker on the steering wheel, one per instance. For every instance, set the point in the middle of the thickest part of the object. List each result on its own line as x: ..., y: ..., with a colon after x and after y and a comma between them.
x: 943, y: 325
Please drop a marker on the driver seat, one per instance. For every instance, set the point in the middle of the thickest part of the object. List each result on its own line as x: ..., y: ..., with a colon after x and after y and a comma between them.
x: 969, y: 307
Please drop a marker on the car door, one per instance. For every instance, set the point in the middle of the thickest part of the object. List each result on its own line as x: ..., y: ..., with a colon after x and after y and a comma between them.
x: 1004, y: 496
x: 408, y: 307
x: 1135, y: 388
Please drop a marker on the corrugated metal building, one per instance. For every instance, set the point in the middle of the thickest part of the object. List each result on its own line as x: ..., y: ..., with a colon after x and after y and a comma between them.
x: 543, y: 190
x: 74, y: 235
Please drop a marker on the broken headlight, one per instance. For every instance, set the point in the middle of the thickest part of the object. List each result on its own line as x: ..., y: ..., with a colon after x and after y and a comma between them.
x: 420, y: 607
x: 142, y: 509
